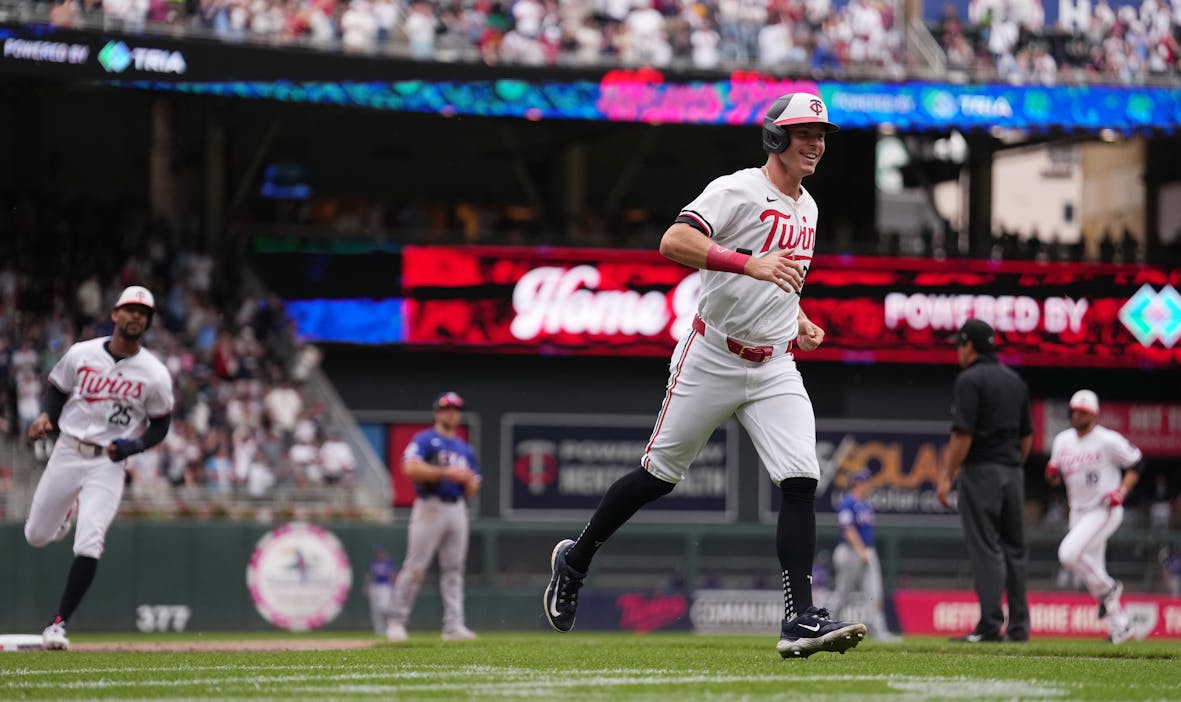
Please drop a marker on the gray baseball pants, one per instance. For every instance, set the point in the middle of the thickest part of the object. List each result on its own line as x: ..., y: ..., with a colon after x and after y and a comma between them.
x: 435, y: 527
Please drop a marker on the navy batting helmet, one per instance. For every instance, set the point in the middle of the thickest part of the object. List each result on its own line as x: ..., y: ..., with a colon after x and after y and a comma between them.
x: 793, y: 108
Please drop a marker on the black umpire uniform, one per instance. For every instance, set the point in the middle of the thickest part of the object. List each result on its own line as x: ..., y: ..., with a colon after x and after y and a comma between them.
x: 991, y: 435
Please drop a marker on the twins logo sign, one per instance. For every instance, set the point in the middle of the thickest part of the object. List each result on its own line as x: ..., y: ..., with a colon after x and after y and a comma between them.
x: 299, y: 577
x: 563, y: 463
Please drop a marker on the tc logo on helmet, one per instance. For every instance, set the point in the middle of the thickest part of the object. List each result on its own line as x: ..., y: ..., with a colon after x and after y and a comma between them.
x: 817, y: 107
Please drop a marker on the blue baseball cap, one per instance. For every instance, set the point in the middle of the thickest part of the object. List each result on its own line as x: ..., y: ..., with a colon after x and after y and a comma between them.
x: 448, y: 400
x: 861, y: 476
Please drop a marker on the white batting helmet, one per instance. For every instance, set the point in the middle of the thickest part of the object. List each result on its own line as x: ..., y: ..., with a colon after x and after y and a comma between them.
x: 136, y: 295
x: 1086, y: 401
x: 791, y: 109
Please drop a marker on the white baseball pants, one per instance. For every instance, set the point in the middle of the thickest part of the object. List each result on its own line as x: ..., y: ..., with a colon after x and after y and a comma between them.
x: 707, y: 384
x: 96, y: 483
x: 1083, y: 550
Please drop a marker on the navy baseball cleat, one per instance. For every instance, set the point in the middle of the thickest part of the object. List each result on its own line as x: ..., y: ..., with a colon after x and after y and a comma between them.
x: 561, y: 595
x: 813, y: 631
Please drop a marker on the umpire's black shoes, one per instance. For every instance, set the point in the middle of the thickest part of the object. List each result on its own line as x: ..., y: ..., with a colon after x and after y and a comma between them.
x: 813, y: 631
x: 976, y: 637
x: 561, y: 595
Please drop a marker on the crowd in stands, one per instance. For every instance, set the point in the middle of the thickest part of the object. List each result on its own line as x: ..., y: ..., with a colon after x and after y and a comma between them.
x: 686, y: 34
x: 1128, y: 45
x: 1005, y: 39
x: 242, y: 424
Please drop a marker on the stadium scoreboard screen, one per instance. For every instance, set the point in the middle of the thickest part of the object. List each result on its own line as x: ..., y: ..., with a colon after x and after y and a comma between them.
x: 542, y: 300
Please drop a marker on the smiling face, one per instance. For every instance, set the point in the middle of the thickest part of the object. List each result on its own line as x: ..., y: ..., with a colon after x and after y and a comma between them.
x: 805, y: 150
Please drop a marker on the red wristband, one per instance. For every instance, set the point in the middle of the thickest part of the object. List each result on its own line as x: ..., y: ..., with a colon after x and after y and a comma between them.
x: 720, y: 259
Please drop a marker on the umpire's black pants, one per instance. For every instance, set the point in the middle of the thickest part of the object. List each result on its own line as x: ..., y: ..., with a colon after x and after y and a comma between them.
x: 991, y: 505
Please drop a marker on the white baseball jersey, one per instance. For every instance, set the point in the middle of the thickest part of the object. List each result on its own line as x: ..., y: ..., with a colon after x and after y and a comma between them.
x: 744, y: 210
x: 109, y: 399
x: 708, y: 383
x: 1091, y: 465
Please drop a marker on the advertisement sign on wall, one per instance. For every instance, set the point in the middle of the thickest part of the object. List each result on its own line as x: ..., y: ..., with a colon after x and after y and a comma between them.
x: 903, y: 456
x: 1154, y: 428
x: 955, y: 612
x: 299, y: 576
x: 637, y: 612
x: 557, y: 467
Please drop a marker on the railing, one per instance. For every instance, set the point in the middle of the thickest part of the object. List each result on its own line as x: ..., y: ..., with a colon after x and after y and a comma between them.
x: 322, y: 503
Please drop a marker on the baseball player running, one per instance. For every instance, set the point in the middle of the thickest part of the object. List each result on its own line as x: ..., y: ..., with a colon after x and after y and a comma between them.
x: 753, y: 232
x: 1099, y: 467
x: 445, y: 473
x: 856, y: 559
x: 100, y: 395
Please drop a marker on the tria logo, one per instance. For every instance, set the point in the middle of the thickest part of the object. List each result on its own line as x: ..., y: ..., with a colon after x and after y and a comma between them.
x: 117, y: 57
x: 1152, y: 315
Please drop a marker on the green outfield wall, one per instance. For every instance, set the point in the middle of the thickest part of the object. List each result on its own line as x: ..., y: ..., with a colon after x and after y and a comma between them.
x: 193, y: 575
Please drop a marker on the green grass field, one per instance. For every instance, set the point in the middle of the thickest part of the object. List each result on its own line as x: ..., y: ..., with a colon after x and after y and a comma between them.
x: 595, y: 666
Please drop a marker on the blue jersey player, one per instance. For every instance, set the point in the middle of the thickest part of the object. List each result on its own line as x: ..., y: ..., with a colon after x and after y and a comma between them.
x: 445, y: 473
x: 855, y: 558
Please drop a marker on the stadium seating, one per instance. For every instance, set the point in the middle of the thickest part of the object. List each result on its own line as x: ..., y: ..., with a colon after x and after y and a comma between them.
x: 1125, y: 44
x: 243, y: 428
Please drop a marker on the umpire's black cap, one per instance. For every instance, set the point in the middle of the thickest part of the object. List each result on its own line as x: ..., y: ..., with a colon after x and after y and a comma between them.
x: 976, y: 332
x: 448, y: 400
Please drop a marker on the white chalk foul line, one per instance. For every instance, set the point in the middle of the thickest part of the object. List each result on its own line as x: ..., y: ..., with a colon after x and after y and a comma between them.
x: 494, y: 681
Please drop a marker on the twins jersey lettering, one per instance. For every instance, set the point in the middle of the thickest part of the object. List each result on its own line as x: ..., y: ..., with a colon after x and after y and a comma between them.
x: 109, y: 399
x: 744, y: 210
x: 1091, y: 465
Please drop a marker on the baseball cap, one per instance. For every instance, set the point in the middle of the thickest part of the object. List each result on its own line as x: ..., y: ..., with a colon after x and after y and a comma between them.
x: 976, y: 332
x: 136, y: 295
x: 1085, y: 400
x: 861, y: 476
x: 448, y: 400
x: 799, y: 108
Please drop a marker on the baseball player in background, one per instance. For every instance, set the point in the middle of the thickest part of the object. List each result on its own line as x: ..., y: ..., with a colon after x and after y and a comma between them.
x: 753, y: 232
x: 1099, y: 467
x: 101, y: 395
x: 445, y: 473
x: 379, y: 588
x: 855, y: 558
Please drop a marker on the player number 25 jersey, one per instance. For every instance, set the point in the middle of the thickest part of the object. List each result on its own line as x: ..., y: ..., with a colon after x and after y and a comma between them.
x: 108, y: 399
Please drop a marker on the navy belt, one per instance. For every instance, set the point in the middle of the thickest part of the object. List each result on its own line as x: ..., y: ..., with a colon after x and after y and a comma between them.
x: 442, y: 498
